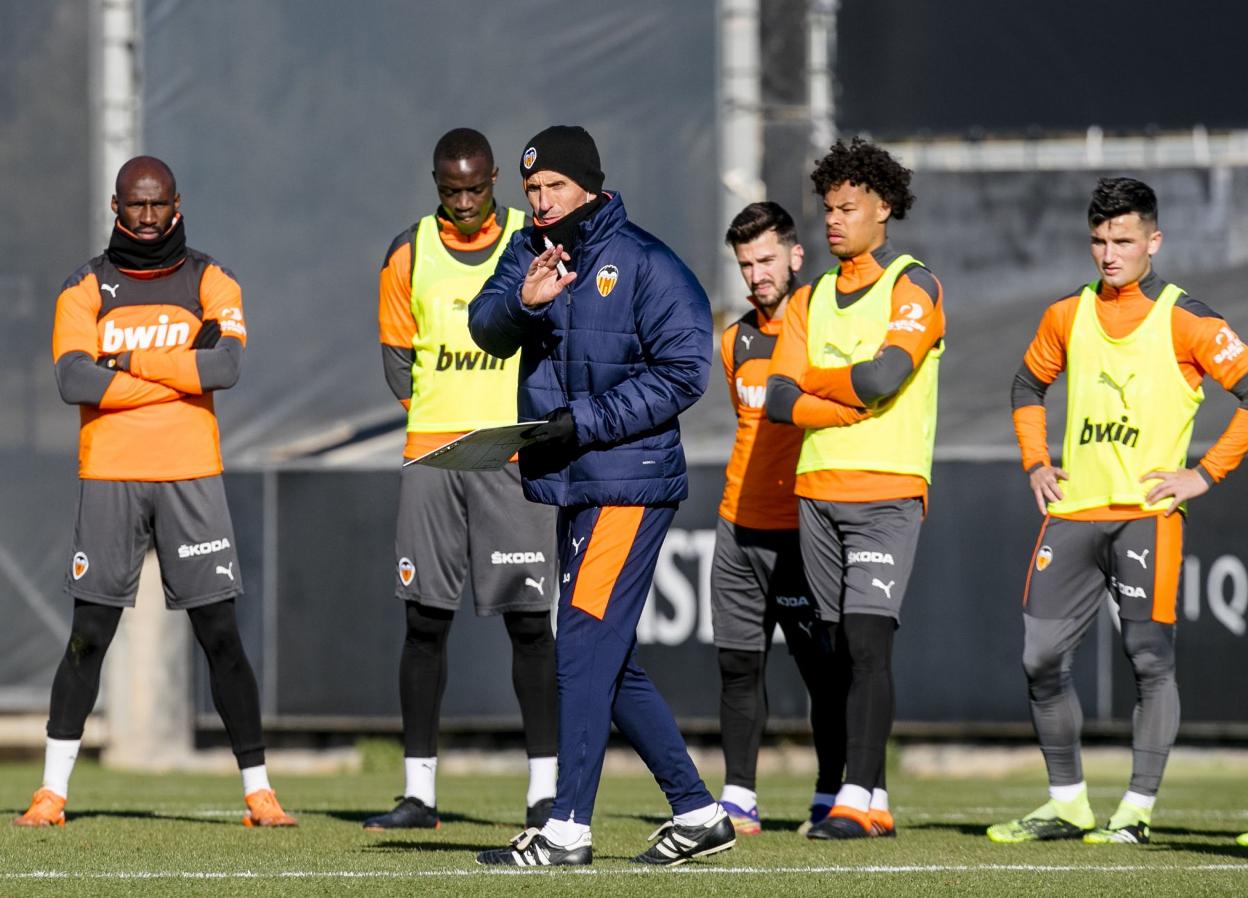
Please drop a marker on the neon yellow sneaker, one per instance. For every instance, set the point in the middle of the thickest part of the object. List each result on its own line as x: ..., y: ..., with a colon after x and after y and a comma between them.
x: 1129, y: 826
x: 1052, y: 820
x: 1242, y: 840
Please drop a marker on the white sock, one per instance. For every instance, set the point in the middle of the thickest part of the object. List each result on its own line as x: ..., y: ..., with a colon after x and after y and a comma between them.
x: 1067, y: 793
x: 854, y: 797
x: 542, y: 773
x: 59, y: 756
x: 745, y: 799
x: 879, y: 799
x: 827, y: 799
x: 419, y: 775
x: 566, y: 833
x: 1140, y: 801
x: 699, y: 816
x: 255, y: 779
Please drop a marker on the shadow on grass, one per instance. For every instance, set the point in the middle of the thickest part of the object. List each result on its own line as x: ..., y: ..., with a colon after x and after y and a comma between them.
x: 1228, y: 849
x: 393, y: 846
x: 151, y: 815
x: 966, y: 829
x: 448, y: 817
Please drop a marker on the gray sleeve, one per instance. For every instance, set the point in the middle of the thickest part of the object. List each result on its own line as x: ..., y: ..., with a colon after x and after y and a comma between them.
x: 219, y: 367
x: 882, y: 377
x: 1027, y: 389
x: 80, y: 380
x: 1240, y: 391
x: 782, y: 395
x: 397, y: 362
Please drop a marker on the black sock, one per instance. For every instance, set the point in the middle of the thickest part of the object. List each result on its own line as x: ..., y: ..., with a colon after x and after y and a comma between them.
x: 869, y: 707
x: 825, y: 671
x: 533, y: 676
x: 234, y: 691
x: 742, y: 713
x: 77, y: 682
x: 422, y: 678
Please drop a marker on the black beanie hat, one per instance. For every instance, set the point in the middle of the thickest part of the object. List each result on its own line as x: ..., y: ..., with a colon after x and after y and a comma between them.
x: 567, y: 149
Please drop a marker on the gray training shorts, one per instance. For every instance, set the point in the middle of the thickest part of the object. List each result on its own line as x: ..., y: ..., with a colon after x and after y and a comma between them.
x: 757, y: 581
x: 859, y: 555
x: 455, y: 523
x: 116, y: 523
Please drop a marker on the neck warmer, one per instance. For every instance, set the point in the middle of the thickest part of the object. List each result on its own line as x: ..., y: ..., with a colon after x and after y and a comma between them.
x: 127, y: 251
x: 565, y: 229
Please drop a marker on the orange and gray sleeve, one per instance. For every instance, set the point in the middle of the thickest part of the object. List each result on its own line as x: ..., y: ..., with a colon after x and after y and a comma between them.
x: 75, y: 347
x: 197, y: 371
x: 1044, y: 360
x: 726, y: 343
x: 786, y: 403
x: 916, y: 325
x: 1219, y: 352
x: 397, y: 327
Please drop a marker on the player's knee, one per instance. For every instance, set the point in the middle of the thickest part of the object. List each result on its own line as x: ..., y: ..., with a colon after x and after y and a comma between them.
x: 1045, y: 665
x: 529, y: 630
x: 1150, y: 648
x: 869, y: 640
x: 216, y: 630
x: 427, y: 626
x: 739, y: 666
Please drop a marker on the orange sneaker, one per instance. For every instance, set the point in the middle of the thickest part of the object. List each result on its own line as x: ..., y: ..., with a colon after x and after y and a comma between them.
x: 263, y: 809
x: 882, y: 825
x: 46, y: 809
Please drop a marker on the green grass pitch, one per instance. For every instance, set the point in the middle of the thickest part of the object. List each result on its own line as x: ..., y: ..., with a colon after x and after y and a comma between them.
x: 179, y: 834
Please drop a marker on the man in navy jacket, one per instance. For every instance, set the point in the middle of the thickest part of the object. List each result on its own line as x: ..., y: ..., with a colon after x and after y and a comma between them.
x: 614, y: 334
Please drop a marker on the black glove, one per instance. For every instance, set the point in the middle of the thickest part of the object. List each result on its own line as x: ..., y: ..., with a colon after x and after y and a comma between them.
x: 209, y: 334
x: 559, y: 429
x: 119, y: 362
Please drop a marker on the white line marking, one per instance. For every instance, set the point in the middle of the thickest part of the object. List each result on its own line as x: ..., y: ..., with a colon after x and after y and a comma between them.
x: 685, y: 871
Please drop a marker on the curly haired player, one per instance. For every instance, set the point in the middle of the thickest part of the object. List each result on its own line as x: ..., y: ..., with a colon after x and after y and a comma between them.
x: 856, y: 367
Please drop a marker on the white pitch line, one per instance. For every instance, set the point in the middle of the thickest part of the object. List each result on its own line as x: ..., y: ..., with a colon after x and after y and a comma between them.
x: 576, y: 871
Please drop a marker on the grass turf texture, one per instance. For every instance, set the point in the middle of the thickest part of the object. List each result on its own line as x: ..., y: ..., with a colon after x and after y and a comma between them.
x: 180, y: 834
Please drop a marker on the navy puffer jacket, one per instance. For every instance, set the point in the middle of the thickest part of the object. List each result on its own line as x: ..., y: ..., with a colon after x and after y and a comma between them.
x: 627, y: 348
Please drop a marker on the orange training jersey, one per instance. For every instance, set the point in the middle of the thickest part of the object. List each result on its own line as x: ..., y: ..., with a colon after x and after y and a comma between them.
x: 917, y: 324
x: 155, y: 422
x: 1203, y: 344
x: 759, y: 488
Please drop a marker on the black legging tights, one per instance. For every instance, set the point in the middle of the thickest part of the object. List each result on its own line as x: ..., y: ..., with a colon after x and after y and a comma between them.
x: 422, y: 678
x: 234, y: 693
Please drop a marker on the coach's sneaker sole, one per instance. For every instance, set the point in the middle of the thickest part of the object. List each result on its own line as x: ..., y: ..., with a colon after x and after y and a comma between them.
x: 1130, y: 825
x: 264, y: 810
x: 842, y: 822
x: 1051, y: 821
x: 746, y: 823
x: 882, y: 824
x: 46, y: 809
x: 409, y: 813
x: 675, y: 844
x: 818, y: 812
x: 532, y: 849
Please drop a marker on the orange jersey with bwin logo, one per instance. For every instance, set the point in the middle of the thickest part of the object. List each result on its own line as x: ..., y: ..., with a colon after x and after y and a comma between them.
x: 154, y: 422
x: 758, y: 492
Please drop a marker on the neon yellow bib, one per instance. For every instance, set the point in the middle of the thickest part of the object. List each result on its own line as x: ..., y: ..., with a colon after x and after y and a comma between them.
x: 455, y: 384
x: 899, y: 436
x: 1129, y: 410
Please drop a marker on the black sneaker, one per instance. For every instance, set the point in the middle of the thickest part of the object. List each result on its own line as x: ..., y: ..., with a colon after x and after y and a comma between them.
x: 677, y: 844
x: 537, y: 815
x: 409, y: 813
x: 532, y: 849
x: 838, y: 826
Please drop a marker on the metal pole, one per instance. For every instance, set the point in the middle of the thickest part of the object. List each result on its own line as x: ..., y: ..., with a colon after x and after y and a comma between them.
x: 113, y: 91
x: 821, y: 72
x: 741, y: 131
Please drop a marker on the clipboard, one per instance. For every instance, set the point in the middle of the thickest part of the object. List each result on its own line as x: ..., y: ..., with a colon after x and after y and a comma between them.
x: 487, y: 449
